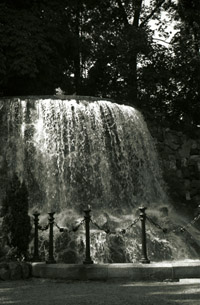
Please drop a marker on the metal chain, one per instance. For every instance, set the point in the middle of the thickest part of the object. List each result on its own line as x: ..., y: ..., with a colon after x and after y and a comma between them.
x: 43, y: 228
x: 189, y: 224
x: 107, y: 231
x: 74, y: 229
x: 61, y: 229
x: 156, y: 224
x: 194, y: 220
x: 179, y: 228
x: 122, y: 231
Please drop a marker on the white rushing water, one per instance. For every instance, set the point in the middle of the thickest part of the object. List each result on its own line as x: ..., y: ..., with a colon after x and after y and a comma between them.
x: 72, y: 153
x: 79, y: 152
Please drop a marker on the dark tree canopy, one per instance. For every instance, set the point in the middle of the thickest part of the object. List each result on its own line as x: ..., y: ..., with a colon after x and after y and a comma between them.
x: 104, y: 48
x: 32, y: 52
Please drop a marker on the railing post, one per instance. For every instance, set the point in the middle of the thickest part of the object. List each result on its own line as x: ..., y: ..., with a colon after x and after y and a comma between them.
x: 36, y: 257
x: 87, y: 217
x: 51, y: 259
x: 144, y: 258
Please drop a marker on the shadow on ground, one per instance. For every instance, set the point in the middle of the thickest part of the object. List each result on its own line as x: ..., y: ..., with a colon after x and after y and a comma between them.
x: 54, y: 292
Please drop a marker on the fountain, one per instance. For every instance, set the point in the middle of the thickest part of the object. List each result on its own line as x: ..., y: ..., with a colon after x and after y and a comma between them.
x: 75, y: 151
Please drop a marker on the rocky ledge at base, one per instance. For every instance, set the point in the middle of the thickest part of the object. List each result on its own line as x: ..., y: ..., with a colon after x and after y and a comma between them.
x: 169, y: 271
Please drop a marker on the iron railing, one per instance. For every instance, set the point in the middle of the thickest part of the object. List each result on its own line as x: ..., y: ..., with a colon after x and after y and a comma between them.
x: 87, y: 220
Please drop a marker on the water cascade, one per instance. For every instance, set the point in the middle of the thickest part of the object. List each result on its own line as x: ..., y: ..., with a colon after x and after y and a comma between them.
x: 76, y: 151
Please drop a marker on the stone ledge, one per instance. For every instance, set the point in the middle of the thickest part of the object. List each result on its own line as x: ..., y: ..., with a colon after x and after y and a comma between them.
x: 135, y: 272
x: 56, y: 97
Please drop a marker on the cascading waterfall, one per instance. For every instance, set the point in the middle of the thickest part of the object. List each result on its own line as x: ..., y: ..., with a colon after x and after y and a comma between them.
x: 80, y: 152
x: 73, y: 152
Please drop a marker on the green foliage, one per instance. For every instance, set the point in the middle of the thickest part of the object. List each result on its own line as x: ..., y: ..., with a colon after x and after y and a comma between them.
x: 104, y: 48
x: 169, y: 83
x: 32, y: 47
x: 186, y: 65
x: 87, y: 47
x: 16, y: 225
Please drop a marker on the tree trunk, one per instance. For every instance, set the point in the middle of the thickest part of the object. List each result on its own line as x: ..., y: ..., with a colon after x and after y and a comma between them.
x: 133, y: 93
x: 132, y: 81
x: 77, y: 51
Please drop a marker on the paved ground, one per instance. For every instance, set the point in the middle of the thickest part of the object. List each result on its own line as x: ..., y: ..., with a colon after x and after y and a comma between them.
x: 54, y: 292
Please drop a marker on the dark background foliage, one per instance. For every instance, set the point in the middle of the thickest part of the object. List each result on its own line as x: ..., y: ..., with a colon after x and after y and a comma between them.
x: 105, y: 48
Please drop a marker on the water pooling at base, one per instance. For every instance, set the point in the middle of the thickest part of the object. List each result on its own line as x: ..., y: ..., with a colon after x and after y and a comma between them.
x: 75, y: 152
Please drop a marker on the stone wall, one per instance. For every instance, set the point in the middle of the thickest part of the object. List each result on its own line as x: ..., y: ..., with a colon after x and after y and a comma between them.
x: 3, y: 161
x: 179, y: 154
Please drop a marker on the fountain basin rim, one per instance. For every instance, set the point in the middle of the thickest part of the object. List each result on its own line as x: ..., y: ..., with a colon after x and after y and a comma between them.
x: 78, y: 98
x: 170, y: 271
x: 58, y: 97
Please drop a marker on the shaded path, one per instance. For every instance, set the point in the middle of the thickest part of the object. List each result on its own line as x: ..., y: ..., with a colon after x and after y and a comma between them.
x: 54, y: 292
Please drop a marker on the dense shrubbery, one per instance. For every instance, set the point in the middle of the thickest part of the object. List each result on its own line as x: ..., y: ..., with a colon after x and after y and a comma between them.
x: 16, y: 225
